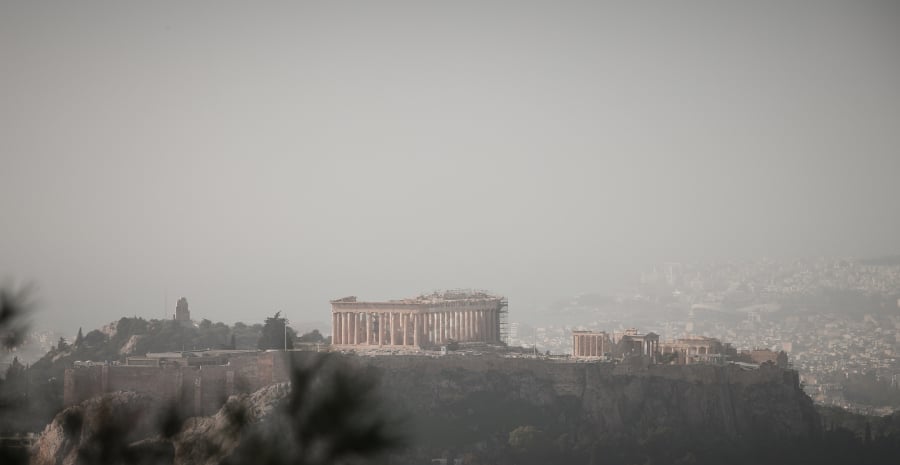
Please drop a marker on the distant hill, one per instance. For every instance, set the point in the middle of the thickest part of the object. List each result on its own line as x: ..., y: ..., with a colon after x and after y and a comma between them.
x: 889, y: 260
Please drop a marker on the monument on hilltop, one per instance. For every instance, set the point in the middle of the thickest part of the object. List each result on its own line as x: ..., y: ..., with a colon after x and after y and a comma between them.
x: 182, y: 313
x: 427, y: 320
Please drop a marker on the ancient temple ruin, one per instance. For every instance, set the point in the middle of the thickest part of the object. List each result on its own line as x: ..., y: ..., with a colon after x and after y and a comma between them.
x: 590, y: 344
x: 427, y: 320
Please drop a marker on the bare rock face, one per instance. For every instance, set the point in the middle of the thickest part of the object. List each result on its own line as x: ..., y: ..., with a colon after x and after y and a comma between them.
x: 131, y: 427
x: 464, y: 402
x: 209, y: 440
x: 120, y: 418
x: 131, y: 344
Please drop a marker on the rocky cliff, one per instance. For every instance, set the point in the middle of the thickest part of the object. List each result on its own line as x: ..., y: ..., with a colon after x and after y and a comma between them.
x: 139, y: 428
x: 459, y: 402
x: 454, y: 404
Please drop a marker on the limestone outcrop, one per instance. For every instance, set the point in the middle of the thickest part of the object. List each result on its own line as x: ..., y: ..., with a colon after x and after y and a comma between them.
x: 134, y: 425
x: 473, y: 403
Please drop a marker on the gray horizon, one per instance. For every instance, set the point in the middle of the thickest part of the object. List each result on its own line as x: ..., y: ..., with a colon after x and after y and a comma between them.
x: 266, y: 157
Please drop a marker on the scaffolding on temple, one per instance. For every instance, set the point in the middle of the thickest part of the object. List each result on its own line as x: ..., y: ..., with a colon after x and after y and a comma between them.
x: 504, y: 320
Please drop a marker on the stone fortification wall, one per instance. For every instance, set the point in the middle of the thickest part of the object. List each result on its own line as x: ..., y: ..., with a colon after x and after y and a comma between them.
x: 200, y: 390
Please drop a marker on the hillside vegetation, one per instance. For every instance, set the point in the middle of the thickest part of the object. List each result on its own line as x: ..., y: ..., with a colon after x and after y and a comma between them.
x: 34, y: 394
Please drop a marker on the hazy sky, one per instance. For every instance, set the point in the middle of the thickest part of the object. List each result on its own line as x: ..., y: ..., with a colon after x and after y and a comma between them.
x: 261, y: 156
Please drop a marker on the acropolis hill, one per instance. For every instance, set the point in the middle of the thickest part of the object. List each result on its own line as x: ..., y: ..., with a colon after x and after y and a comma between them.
x: 612, y: 391
x: 200, y: 381
x: 615, y: 391
x: 459, y: 401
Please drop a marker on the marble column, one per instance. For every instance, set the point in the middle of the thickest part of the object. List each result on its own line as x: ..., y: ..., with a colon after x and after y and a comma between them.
x: 334, y: 329
x: 337, y: 328
x: 463, y: 334
x: 482, y: 330
x: 411, y: 327
x: 465, y: 325
x: 404, y: 326
x: 378, y: 323
x: 452, y: 325
x: 391, y: 327
x: 482, y: 326
x: 347, y: 339
x: 366, y: 327
x: 462, y: 326
x: 437, y: 328
x: 434, y: 327
x: 354, y: 328
x: 448, y: 329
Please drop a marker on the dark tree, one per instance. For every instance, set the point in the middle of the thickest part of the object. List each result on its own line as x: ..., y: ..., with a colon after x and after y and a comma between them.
x: 78, y: 338
x: 15, y: 370
x: 275, y: 335
x: 313, y: 336
x: 14, y: 324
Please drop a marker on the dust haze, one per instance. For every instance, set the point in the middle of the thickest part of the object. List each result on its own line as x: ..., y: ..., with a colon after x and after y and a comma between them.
x: 272, y: 157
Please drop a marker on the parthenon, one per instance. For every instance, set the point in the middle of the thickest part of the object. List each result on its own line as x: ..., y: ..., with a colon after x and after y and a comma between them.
x: 427, y: 320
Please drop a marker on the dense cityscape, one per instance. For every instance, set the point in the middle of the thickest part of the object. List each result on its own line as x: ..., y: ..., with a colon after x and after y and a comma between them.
x: 837, y: 319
